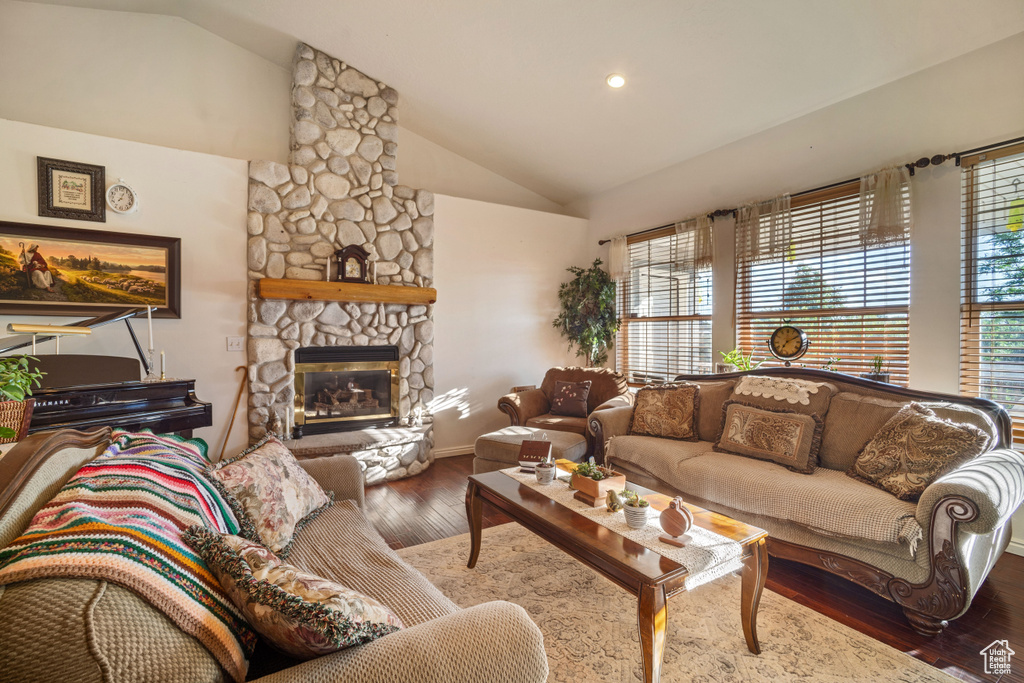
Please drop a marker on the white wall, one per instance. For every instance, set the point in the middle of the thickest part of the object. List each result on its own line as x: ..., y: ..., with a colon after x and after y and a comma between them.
x: 198, y: 197
x: 162, y: 80
x: 964, y: 103
x: 497, y: 271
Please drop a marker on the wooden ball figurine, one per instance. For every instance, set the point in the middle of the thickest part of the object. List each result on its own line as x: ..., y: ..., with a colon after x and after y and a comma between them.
x: 676, y: 520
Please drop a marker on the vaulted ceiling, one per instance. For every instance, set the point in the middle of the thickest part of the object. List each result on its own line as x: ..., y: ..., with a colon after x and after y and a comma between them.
x: 518, y: 86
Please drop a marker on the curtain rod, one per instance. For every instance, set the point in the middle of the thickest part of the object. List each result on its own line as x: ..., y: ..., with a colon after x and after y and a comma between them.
x: 923, y: 162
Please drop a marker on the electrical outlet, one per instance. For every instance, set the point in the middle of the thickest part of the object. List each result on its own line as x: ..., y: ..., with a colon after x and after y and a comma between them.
x: 236, y: 343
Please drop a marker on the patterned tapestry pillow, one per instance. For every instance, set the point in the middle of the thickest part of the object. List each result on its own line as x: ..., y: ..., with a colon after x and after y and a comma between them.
x: 267, y: 486
x: 668, y: 412
x: 784, y: 437
x: 297, y: 612
x: 570, y: 398
x: 915, y: 448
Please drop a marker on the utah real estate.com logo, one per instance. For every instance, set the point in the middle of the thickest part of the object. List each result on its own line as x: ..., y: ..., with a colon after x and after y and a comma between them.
x: 997, y: 657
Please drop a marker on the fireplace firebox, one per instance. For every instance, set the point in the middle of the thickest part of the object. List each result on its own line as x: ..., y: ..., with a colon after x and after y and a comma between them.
x: 344, y: 388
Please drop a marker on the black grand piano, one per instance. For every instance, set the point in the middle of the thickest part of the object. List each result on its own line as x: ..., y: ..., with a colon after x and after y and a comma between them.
x: 83, y: 392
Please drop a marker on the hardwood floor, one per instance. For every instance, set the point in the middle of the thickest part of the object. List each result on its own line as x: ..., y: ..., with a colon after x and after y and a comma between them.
x: 431, y: 506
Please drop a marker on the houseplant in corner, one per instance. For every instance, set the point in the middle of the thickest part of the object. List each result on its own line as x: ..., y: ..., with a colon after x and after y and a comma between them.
x: 587, y: 317
x: 16, y: 381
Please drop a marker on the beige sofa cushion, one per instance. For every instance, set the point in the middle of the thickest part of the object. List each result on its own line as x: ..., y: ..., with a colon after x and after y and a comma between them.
x: 342, y: 545
x: 653, y: 455
x: 559, y: 423
x: 853, y: 420
x: 827, y: 501
x: 709, y: 408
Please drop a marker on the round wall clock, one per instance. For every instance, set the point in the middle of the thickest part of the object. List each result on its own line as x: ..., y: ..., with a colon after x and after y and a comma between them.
x: 788, y: 343
x: 122, y: 198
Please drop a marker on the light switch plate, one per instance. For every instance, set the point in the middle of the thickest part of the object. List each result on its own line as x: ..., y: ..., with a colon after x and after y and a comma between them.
x: 236, y: 343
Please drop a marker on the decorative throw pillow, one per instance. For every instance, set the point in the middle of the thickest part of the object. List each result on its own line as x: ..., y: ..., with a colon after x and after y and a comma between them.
x: 915, y: 448
x: 668, y: 412
x: 784, y: 437
x: 297, y: 612
x: 570, y: 398
x: 266, y: 485
x: 785, y: 393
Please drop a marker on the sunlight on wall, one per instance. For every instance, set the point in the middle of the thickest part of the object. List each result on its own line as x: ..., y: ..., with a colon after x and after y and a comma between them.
x: 455, y: 399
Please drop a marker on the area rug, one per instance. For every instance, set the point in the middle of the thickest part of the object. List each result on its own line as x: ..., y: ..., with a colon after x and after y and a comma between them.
x: 589, y: 623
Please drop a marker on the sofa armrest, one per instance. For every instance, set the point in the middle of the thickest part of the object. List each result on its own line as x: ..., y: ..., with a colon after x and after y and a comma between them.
x: 524, y: 405
x: 604, y: 424
x: 495, y: 642
x: 993, y: 481
x: 338, y: 473
x: 622, y: 400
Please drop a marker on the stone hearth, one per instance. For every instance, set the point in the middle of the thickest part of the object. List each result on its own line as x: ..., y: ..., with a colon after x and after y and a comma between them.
x: 340, y: 188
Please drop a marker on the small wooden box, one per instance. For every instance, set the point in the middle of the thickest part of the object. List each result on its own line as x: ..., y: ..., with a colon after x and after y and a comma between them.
x: 592, y: 492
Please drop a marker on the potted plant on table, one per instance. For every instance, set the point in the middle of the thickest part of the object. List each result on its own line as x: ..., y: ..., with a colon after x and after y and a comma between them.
x: 635, y: 507
x: 877, y: 374
x: 16, y: 381
x: 592, y: 482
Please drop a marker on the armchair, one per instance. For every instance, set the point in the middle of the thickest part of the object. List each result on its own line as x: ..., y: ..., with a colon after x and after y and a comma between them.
x: 532, y: 407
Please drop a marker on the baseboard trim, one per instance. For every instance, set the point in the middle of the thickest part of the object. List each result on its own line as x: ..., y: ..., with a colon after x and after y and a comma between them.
x: 1016, y: 547
x: 453, y: 451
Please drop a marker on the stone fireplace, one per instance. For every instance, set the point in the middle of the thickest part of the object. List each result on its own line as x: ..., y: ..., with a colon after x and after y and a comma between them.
x: 341, y: 189
x: 344, y: 388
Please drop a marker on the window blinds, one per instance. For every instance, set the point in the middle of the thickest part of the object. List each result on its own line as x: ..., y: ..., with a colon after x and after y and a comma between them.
x: 992, y: 300
x: 665, y: 305
x: 849, y: 295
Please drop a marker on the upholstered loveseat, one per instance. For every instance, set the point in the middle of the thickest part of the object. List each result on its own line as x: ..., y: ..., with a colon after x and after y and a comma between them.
x: 929, y: 556
x: 532, y: 407
x: 78, y: 629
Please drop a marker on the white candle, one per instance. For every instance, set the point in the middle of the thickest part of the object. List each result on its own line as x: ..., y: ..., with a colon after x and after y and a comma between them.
x: 162, y: 366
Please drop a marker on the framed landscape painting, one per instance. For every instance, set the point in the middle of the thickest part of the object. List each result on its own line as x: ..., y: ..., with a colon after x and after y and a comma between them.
x: 47, y: 270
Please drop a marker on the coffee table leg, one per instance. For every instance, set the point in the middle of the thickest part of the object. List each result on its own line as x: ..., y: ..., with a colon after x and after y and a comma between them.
x: 755, y: 571
x: 474, y: 513
x: 652, y: 617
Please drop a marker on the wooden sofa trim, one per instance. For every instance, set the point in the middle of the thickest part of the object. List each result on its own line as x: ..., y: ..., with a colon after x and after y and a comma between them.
x: 22, y: 461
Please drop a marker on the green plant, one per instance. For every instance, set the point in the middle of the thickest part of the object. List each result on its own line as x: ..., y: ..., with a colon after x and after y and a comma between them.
x: 831, y: 364
x: 587, y: 317
x: 876, y: 364
x: 591, y: 471
x: 739, y: 361
x: 633, y: 499
x: 16, y: 381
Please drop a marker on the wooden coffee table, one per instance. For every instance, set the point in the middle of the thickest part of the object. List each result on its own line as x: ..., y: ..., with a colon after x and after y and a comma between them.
x: 653, y: 578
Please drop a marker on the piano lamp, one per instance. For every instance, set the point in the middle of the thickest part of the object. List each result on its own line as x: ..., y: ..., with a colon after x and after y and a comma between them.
x: 56, y: 330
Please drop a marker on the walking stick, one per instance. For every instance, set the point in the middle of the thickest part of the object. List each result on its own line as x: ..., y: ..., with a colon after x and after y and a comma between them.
x: 234, y: 412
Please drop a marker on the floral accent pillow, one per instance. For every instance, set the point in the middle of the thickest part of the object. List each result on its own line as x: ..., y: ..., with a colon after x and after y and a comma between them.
x: 913, y: 449
x: 666, y: 412
x: 784, y: 437
x: 297, y: 612
x: 570, y: 398
x: 267, y: 486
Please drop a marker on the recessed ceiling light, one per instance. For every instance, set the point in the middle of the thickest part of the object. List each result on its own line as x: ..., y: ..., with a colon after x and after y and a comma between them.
x: 615, y: 80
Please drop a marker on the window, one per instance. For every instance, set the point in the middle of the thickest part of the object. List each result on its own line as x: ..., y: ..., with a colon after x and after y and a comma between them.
x: 851, y: 298
x: 992, y: 301
x: 665, y: 305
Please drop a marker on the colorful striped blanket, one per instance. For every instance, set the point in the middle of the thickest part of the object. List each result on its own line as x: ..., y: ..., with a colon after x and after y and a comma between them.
x: 120, y: 519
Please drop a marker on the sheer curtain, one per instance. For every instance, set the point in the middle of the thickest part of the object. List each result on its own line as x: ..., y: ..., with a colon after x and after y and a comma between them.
x: 618, y: 258
x: 884, y: 216
x: 703, y: 242
x: 757, y: 239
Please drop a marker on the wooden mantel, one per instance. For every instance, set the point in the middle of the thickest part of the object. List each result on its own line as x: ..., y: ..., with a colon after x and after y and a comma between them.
x: 314, y: 290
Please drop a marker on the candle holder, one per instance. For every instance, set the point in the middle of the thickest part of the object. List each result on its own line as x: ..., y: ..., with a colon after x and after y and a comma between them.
x: 153, y: 375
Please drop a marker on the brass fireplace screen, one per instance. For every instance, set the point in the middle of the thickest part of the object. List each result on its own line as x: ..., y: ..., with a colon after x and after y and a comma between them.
x: 338, y: 392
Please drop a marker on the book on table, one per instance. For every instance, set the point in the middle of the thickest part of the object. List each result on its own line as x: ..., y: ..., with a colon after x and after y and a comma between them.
x: 533, y: 452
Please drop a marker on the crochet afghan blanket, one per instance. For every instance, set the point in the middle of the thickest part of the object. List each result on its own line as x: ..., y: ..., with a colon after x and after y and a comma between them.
x: 120, y: 518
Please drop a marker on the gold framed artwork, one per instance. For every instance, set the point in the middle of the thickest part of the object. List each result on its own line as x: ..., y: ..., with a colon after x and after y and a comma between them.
x: 69, y: 189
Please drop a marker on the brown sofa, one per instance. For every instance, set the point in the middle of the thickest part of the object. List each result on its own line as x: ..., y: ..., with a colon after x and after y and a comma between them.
x: 929, y: 556
x: 88, y: 630
x: 532, y: 407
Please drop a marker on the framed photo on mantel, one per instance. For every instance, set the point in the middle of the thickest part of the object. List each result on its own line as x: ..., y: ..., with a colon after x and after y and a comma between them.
x: 69, y: 189
x: 48, y: 270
